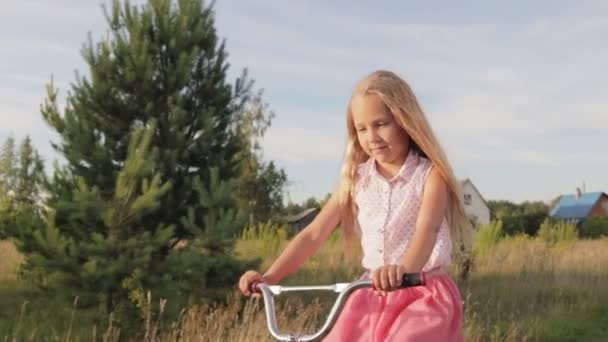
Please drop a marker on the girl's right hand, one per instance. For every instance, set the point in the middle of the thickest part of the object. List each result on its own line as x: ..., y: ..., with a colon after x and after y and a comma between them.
x: 249, y: 278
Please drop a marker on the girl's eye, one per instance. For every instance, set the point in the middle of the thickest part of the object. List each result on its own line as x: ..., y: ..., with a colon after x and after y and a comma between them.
x: 361, y: 130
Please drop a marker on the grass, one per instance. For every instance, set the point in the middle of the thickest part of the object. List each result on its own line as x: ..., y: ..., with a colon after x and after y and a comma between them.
x: 581, y: 326
x: 520, y: 288
x: 487, y: 237
x: 10, y: 259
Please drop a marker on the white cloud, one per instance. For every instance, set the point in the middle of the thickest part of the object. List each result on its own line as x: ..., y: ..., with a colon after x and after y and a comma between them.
x: 68, y: 10
x: 506, y: 155
x: 303, y: 145
x: 14, y: 47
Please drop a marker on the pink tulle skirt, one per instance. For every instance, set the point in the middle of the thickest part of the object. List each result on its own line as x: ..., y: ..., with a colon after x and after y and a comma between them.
x: 432, y: 313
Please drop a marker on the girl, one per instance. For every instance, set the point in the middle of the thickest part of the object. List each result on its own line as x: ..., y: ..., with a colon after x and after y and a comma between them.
x: 398, y: 194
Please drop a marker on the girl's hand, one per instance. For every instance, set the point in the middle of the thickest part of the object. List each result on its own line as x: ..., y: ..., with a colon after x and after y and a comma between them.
x: 249, y: 278
x: 387, y: 278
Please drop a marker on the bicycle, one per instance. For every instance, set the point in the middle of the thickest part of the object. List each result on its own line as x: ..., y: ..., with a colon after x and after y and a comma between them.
x: 344, y: 290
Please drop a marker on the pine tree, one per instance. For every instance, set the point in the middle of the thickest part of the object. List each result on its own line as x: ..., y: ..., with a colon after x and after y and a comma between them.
x: 92, y: 264
x: 161, y: 61
x: 153, y: 150
x: 21, y: 181
x: 29, y: 175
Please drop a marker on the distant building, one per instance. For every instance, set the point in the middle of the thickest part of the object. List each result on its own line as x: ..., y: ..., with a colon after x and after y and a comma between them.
x: 475, y: 205
x: 580, y: 206
x: 299, y: 221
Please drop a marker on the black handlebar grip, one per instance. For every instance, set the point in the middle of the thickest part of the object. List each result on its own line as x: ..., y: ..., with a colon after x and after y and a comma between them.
x: 412, y: 279
x: 253, y: 287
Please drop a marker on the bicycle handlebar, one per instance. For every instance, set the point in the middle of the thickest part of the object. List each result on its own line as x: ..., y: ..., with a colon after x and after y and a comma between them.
x: 344, y: 290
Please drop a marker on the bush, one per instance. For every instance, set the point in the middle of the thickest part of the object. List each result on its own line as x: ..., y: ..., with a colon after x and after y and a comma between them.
x: 594, y: 227
x: 554, y: 232
x: 527, y: 223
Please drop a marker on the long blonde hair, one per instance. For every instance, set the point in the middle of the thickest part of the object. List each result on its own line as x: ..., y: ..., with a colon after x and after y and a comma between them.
x: 402, y: 103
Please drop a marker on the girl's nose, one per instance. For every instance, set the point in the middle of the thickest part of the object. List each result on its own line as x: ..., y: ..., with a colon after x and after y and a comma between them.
x: 374, y: 136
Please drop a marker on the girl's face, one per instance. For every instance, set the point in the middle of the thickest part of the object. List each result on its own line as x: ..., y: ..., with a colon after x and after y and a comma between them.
x: 377, y: 131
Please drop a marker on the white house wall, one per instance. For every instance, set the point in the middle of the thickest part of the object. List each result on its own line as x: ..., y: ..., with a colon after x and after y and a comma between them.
x: 477, y: 206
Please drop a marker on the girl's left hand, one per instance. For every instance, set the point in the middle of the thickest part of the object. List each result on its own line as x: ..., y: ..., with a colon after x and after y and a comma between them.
x: 387, y: 278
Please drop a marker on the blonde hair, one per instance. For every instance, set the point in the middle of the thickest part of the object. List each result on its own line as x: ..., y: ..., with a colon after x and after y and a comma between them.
x: 402, y: 103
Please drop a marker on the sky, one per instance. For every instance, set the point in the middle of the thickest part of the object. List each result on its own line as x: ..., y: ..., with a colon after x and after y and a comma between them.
x: 516, y: 91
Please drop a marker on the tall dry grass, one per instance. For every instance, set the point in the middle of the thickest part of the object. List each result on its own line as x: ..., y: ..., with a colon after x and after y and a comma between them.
x: 10, y: 259
x: 515, y: 284
x: 518, y: 289
x: 521, y: 281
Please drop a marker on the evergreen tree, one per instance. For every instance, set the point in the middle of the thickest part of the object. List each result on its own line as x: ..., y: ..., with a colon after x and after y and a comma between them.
x: 93, y: 264
x: 29, y: 176
x: 153, y: 149
x: 161, y: 61
x: 21, y: 180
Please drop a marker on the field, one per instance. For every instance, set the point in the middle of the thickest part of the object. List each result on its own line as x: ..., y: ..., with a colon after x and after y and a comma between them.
x: 519, y: 288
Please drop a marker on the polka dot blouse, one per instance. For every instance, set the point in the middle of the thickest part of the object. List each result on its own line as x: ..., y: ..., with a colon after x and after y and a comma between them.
x: 388, y: 211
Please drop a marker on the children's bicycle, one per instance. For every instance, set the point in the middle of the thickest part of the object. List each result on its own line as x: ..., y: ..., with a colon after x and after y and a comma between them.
x: 344, y: 290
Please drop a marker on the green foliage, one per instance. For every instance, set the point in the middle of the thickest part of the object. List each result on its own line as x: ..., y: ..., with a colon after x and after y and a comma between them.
x: 557, y: 232
x: 29, y: 175
x: 263, y: 240
x: 519, y: 218
x: 103, y: 241
x: 488, y: 235
x: 261, y: 191
x: 594, y: 227
x: 148, y: 203
x: 21, y: 175
x: 8, y: 172
x: 21, y: 185
x: 261, y: 184
x: 162, y: 61
x: 120, y: 262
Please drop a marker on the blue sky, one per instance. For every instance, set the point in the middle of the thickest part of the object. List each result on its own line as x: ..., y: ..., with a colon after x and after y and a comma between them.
x: 516, y: 91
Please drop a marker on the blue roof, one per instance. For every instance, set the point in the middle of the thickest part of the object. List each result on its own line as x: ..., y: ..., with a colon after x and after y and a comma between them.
x: 570, y: 207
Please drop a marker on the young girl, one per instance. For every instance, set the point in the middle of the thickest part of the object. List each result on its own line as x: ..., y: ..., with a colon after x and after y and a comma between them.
x: 398, y: 194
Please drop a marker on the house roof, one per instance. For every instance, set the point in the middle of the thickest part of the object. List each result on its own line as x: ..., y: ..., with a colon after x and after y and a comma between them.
x: 301, y: 215
x: 569, y: 206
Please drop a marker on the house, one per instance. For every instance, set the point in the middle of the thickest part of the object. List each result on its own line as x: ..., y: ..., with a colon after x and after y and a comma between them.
x: 580, y: 206
x: 299, y: 221
x: 475, y: 205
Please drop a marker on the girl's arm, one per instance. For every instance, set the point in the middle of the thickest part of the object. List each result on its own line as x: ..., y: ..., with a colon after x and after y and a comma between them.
x: 306, y: 243
x: 432, y: 212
